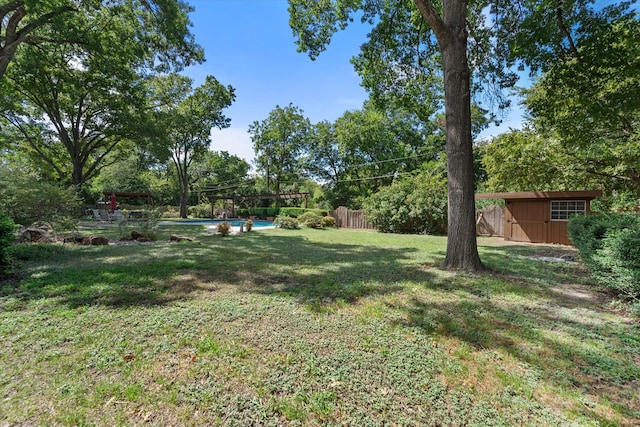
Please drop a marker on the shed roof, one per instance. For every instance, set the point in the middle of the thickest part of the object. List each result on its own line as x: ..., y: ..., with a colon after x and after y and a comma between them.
x: 537, y: 195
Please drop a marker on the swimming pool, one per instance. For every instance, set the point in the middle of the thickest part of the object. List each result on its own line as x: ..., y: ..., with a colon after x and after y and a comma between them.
x: 257, y: 223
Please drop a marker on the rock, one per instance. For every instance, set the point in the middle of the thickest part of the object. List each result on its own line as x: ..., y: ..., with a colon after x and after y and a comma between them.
x: 568, y: 257
x: 143, y: 239
x: 95, y: 241
x: 73, y: 239
x: 45, y: 226
x: 135, y: 235
x: 177, y: 238
x: 36, y: 235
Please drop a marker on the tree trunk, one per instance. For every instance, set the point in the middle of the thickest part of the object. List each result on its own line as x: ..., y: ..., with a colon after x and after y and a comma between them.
x: 277, y: 204
x: 184, y: 196
x: 76, y: 175
x: 183, y: 186
x: 462, y: 249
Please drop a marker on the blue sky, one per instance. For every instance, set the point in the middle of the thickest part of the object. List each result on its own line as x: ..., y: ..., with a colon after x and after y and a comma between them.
x: 249, y: 45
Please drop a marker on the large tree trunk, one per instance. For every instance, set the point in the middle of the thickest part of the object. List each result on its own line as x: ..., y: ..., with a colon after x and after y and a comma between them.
x: 77, y: 175
x: 462, y: 249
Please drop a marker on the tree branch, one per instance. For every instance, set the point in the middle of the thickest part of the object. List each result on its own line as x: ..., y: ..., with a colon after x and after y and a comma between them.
x: 434, y: 20
x: 564, y: 30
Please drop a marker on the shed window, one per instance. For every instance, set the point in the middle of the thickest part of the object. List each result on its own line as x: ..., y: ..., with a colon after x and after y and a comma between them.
x: 562, y: 210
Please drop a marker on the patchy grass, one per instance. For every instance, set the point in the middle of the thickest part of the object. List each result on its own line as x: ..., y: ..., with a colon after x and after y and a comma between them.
x: 310, y: 327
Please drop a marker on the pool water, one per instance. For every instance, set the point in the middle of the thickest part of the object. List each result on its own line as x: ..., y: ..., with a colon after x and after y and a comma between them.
x: 257, y: 223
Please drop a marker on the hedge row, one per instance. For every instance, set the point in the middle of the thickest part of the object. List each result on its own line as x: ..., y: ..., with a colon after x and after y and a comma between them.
x: 263, y: 213
x: 609, y: 245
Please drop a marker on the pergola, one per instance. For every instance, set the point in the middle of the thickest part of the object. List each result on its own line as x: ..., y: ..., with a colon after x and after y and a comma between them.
x: 233, y: 199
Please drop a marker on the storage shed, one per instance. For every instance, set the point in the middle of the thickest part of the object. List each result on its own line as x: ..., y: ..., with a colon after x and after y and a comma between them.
x: 541, y: 216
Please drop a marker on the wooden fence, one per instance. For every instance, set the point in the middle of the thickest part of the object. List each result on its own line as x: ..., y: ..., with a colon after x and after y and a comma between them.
x: 490, y: 221
x: 346, y: 218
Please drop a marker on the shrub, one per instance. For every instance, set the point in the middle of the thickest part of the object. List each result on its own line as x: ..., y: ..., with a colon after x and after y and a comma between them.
x: 296, y: 212
x: 609, y: 245
x: 7, y: 228
x: 587, y: 232
x: 286, y: 222
x: 261, y: 213
x: 26, y: 198
x: 293, y: 212
x: 203, y: 210
x: 249, y: 225
x: 149, y: 224
x: 170, y: 212
x: 310, y: 219
x: 224, y: 228
x: 414, y: 205
x: 328, y: 221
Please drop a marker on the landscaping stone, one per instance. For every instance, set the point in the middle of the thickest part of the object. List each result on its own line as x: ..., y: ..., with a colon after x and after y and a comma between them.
x: 36, y: 235
x: 178, y: 238
x: 95, y: 241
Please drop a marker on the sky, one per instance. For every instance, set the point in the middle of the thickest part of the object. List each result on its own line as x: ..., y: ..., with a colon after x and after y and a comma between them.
x: 249, y: 45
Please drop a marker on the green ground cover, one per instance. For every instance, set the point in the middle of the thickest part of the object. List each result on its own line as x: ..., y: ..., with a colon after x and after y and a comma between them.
x: 310, y: 327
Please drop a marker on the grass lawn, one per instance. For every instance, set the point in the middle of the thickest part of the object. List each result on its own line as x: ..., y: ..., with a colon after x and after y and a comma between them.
x: 310, y: 327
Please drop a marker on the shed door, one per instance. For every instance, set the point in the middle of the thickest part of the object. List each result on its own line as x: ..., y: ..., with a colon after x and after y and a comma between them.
x: 527, y: 221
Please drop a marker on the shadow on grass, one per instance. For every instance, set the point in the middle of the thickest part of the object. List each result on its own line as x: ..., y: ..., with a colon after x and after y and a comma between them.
x: 121, y: 276
x: 532, y: 311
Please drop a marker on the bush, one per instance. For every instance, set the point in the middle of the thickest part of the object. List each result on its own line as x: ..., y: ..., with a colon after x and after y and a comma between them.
x: 7, y: 228
x: 203, y: 210
x: 26, y: 198
x: 249, y: 225
x: 286, y: 222
x: 328, y: 221
x: 296, y: 212
x: 415, y: 205
x: 224, y: 228
x: 310, y: 219
x: 609, y: 245
x: 170, y: 212
x: 261, y: 213
x: 293, y: 212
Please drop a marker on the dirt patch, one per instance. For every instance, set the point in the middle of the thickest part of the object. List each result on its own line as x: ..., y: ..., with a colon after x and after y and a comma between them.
x: 579, y: 293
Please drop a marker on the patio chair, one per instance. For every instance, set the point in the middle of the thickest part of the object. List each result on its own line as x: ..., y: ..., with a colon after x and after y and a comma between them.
x: 96, y: 214
x: 104, y: 215
x: 116, y: 216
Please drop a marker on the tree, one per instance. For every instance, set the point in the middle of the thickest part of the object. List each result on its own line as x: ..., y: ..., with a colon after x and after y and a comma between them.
x: 471, y: 45
x: 162, y: 27
x: 221, y: 172
x: 588, y: 99
x: 527, y: 161
x: 279, y: 142
x: 74, y: 94
x: 71, y: 110
x: 186, y: 117
x: 411, y: 50
x: 366, y: 149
